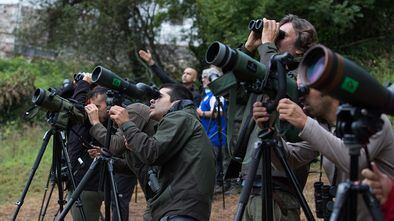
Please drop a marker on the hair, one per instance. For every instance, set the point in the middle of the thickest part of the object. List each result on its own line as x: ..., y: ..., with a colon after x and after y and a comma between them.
x: 306, y: 33
x: 98, y: 90
x: 178, y: 92
x: 210, y: 71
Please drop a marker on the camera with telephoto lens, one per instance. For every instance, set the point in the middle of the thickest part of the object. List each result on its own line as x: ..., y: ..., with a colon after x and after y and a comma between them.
x: 324, y: 203
x: 61, y: 110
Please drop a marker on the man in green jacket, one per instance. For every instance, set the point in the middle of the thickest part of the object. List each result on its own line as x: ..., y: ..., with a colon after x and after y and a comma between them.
x: 299, y: 36
x: 183, y: 151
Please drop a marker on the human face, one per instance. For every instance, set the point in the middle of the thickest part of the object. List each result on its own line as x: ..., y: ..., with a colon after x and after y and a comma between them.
x: 99, y: 101
x: 316, y: 104
x: 161, y: 105
x: 205, y: 81
x: 287, y: 44
x: 189, y: 76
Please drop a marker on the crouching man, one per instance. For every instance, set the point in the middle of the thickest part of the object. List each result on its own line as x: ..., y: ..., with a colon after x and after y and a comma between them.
x: 182, y: 150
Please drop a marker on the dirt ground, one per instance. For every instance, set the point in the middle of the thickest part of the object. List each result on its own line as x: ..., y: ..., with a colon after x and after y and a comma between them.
x: 30, y: 208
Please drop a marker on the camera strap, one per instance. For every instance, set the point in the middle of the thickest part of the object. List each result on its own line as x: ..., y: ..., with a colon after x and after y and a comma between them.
x: 321, y: 167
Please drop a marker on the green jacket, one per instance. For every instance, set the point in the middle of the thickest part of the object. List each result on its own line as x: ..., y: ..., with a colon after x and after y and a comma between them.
x: 266, y: 51
x: 183, y: 150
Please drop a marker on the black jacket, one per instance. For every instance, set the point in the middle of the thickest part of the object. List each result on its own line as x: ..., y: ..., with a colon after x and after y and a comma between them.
x: 75, y: 146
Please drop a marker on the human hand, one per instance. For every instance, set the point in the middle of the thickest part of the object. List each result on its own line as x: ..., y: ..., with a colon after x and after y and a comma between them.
x: 146, y: 56
x: 270, y: 31
x: 260, y: 114
x: 379, y: 182
x: 87, y: 77
x: 199, y: 112
x: 119, y: 115
x: 292, y: 113
x: 92, y: 111
x: 253, y: 41
x: 95, y: 152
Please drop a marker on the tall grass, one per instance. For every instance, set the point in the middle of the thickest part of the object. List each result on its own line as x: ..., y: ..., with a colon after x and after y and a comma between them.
x: 18, y: 150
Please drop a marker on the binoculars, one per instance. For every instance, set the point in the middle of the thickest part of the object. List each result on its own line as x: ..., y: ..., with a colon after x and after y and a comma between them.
x: 257, y: 27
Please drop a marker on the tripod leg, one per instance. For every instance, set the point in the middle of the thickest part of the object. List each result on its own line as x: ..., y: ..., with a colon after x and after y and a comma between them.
x: 79, y: 188
x: 340, y: 200
x: 71, y: 177
x: 19, y: 203
x: 245, y: 193
x: 290, y: 174
x: 267, y: 178
x: 114, y: 188
x: 45, y: 205
x: 56, y: 161
x: 372, y: 204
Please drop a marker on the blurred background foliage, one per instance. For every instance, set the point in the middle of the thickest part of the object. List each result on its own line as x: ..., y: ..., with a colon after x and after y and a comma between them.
x: 85, y: 33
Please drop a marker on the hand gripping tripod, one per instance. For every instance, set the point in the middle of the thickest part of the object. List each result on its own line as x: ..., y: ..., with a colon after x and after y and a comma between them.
x: 55, y: 175
x: 355, y: 125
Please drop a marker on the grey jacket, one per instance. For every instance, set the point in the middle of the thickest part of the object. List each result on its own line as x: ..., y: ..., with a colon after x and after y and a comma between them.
x: 335, y: 153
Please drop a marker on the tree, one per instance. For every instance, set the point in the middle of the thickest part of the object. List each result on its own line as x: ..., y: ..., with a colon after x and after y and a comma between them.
x: 109, y: 33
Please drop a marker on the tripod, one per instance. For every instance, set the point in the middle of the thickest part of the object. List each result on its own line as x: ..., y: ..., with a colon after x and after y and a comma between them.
x: 355, y: 126
x: 262, y: 150
x: 55, y: 176
x: 217, y: 111
x: 105, y: 161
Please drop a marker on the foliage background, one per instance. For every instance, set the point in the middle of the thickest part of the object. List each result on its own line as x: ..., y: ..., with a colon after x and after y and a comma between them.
x: 86, y: 33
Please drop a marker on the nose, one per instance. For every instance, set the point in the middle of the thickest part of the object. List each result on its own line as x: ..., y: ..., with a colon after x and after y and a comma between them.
x: 152, y: 101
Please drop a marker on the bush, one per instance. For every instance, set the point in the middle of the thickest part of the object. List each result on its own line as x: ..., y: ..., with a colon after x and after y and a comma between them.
x: 19, y: 77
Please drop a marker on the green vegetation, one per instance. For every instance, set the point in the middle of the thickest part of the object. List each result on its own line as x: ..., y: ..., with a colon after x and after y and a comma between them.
x: 110, y: 33
x: 19, y: 148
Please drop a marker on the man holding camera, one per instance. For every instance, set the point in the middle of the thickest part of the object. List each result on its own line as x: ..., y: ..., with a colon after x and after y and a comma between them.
x: 299, y: 35
x: 336, y: 160
x: 183, y: 151
x: 189, y: 76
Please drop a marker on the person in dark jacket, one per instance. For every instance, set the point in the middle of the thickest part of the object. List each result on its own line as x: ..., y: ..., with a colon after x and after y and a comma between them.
x: 139, y: 115
x: 91, y: 198
x: 189, y: 76
x: 183, y: 151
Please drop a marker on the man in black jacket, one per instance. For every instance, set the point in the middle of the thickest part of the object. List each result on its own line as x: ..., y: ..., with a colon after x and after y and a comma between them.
x: 77, y: 148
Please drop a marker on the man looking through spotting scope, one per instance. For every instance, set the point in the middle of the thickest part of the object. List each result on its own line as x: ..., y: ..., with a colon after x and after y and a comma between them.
x: 139, y: 115
x: 318, y: 137
x: 189, y: 76
x: 183, y: 151
x: 91, y: 198
x: 299, y: 35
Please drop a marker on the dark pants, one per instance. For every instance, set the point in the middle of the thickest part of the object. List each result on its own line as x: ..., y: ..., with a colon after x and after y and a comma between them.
x: 125, y: 185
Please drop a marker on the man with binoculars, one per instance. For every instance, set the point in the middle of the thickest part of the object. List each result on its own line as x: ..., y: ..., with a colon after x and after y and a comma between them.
x: 298, y: 36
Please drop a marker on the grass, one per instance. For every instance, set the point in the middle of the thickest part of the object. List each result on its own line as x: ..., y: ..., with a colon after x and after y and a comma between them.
x: 19, y: 149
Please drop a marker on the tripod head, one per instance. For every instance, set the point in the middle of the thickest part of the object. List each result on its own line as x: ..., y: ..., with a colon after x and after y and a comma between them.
x: 356, y: 125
